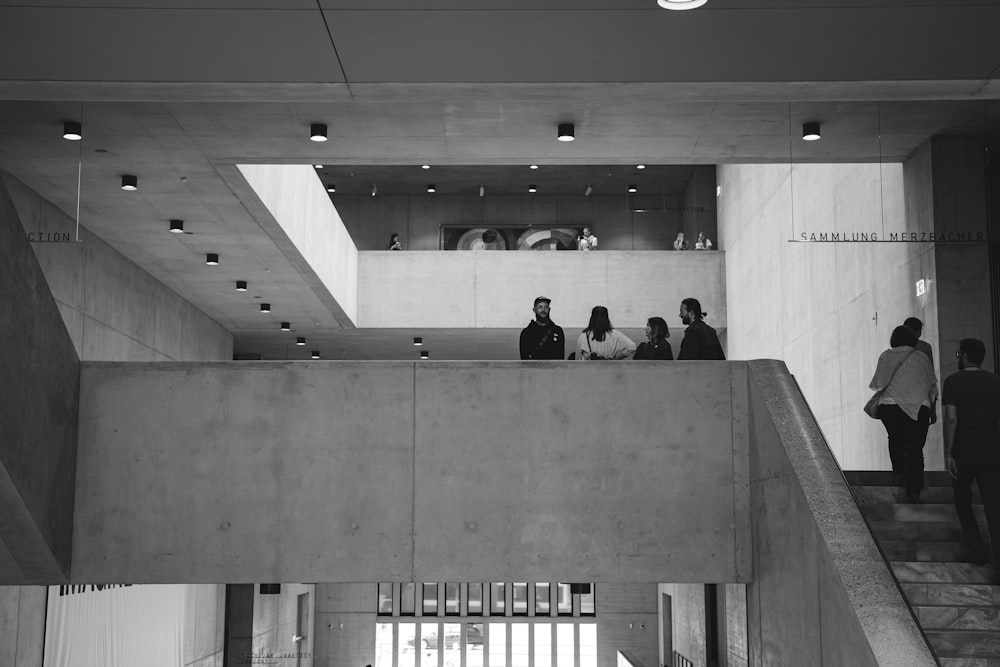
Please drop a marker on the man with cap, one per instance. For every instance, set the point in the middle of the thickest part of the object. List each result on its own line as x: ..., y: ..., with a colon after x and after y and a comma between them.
x: 542, y: 338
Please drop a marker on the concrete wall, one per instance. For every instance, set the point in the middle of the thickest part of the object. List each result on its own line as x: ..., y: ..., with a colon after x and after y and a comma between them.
x: 204, y: 624
x: 345, y: 624
x: 38, y: 410
x: 626, y: 615
x: 299, y: 218
x: 827, y: 310
x: 275, y: 622
x: 417, y: 219
x: 114, y: 310
x: 497, y: 289
x: 377, y: 471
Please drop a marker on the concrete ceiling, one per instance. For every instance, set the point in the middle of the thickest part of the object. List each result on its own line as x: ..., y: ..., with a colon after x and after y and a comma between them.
x: 178, y: 91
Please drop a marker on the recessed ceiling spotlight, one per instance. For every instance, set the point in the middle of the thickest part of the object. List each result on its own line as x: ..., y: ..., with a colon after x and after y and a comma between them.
x: 586, y: 193
x: 330, y: 187
x: 241, y: 286
x: 567, y: 132
x: 212, y: 259
x: 418, y: 341
x: 72, y: 131
x: 265, y: 308
x: 681, y: 4
x: 640, y: 166
x: 431, y: 189
x: 632, y: 189
x: 425, y: 166
x: 286, y: 326
x: 317, y: 166
x: 424, y: 354
x: 532, y: 166
x: 532, y: 189
x: 374, y: 190
x: 810, y: 131
x: 176, y: 226
x: 482, y: 190
x: 317, y: 132
x: 301, y: 340
x: 315, y: 354
x: 130, y: 182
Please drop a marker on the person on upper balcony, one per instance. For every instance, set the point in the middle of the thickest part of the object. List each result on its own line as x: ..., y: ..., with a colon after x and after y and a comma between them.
x: 680, y: 243
x: 702, y: 242
x: 586, y: 241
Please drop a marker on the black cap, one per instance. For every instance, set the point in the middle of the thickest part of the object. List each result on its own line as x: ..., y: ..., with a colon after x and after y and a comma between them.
x: 541, y: 298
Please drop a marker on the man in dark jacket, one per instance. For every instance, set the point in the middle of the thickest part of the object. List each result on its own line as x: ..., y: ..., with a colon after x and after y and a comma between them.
x: 542, y: 338
x: 700, y: 340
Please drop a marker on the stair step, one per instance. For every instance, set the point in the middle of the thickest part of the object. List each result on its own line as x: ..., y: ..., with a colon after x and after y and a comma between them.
x: 884, y: 478
x: 966, y: 595
x: 922, y: 512
x: 919, y: 531
x: 874, y: 495
x: 964, y: 643
x: 941, y: 552
x: 951, y: 573
x: 959, y: 618
x: 970, y: 662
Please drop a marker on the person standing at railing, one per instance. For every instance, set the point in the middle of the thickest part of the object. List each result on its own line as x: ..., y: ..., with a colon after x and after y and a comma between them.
x: 586, y: 241
x: 601, y: 341
x: 656, y: 345
x: 542, y: 338
x: 700, y: 340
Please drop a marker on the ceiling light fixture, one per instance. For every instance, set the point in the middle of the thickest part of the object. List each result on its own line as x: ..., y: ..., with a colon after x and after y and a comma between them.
x: 301, y: 340
x: 374, y: 190
x: 532, y: 166
x: 317, y: 132
x: 532, y: 189
x: 567, y: 132
x: 431, y: 189
x: 130, y: 182
x: 286, y: 326
x: 265, y: 308
x: 331, y: 187
x: 586, y: 193
x: 241, y: 286
x: 315, y: 354
x: 640, y: 166
x: 317, y: 166
x: 425, y: 166
x: 424, y: 354
x: 482, y: 190
x: 632, y: 189
x: 72, y: 131
x: 418, y: 341
x: 212, y: 259
x: 176, y: 226
x: 810, y: 131
x: 681, y: 4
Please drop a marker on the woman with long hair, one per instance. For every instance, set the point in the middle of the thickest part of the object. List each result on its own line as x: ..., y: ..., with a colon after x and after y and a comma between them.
x: 656, y: 345
x: 909, y: 394
x: 600, y: 340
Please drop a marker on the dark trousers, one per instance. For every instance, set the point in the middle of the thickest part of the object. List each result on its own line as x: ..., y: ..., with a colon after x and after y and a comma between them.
x: 906, y: 444
x: 984, y: 469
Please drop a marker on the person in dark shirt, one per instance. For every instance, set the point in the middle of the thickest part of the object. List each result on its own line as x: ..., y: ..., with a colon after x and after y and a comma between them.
x: 542, y: 338
x: 656, y: 346
x: 917, y: 327
x: 971, y: 400
x: 700, y: 340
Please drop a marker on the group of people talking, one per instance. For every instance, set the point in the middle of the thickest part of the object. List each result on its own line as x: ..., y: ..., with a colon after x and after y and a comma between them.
x: 544, y: 339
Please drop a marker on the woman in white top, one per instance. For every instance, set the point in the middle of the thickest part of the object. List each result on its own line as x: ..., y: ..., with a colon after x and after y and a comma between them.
x: 600, y: 340
x: 906, y: 407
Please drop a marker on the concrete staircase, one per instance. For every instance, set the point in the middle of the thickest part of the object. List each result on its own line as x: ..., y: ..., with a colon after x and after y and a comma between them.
x: 954, y: 600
